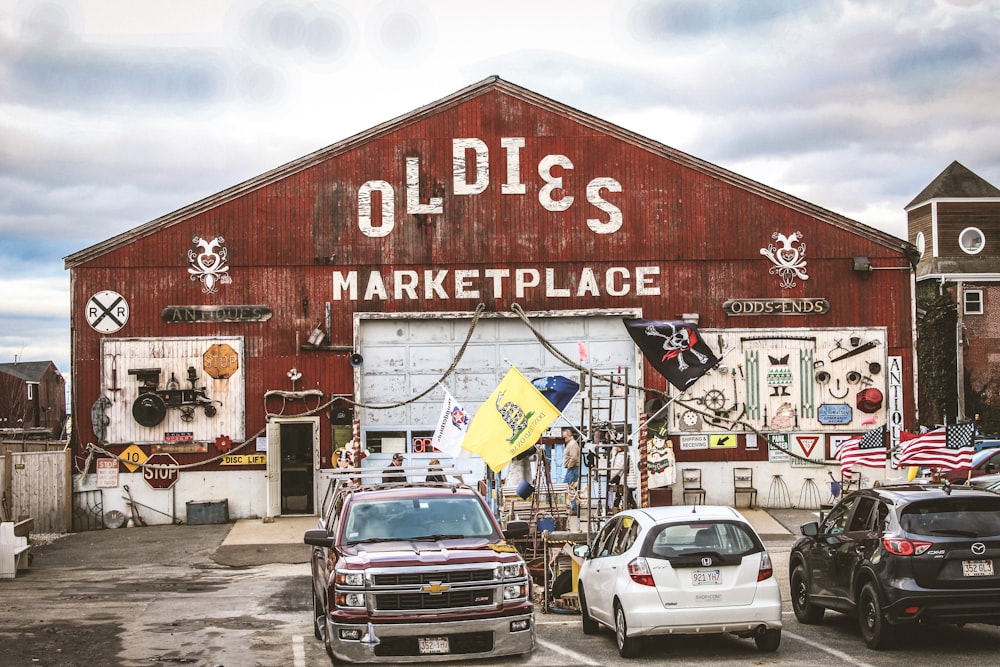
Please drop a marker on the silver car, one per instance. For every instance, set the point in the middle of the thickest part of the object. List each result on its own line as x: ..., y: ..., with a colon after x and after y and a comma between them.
x: 679, y: 570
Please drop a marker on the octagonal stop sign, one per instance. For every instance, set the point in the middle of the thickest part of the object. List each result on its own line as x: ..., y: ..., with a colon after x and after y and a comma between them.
x: 164, y: 474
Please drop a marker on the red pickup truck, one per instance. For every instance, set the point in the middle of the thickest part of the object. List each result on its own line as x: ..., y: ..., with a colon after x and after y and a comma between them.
x: 417, y: 572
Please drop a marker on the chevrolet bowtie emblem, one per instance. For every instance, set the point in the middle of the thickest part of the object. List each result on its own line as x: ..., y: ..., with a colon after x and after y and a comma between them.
x: 435, y: 588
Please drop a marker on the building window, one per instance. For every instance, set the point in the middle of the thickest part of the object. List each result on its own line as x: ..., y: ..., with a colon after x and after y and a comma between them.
x: 972, y: 302
x: 971, y: 241
x: 31, y: 391
x: 920, y: 243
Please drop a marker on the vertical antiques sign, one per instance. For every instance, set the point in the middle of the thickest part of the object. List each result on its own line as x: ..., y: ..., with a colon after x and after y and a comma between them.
x: 894, y: 408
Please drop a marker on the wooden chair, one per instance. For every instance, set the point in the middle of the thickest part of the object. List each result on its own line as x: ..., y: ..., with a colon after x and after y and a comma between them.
x: 743, y: 485
x: 691, y: 486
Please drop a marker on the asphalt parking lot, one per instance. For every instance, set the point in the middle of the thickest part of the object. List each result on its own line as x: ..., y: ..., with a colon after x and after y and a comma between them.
x: 137, y: 596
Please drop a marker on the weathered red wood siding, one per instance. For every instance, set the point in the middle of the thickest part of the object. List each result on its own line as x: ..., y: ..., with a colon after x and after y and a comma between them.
x: 287, y: 233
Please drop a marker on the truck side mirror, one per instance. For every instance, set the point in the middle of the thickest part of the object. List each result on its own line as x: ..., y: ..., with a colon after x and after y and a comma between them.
x: 318, y: 537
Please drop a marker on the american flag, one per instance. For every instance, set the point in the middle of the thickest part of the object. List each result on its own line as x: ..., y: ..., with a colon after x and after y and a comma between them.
x: 950, y: 447
x: 868, y: 450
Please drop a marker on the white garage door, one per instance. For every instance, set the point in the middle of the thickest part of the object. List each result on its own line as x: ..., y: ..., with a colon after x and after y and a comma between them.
x: 405, y: 356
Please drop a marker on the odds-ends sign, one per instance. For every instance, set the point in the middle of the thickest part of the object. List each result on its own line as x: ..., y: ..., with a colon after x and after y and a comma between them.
x: 160, y: 471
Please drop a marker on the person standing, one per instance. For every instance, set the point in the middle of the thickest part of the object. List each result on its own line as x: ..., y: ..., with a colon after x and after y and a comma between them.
x: 624, y: 478
x: 436, y: 475
x: 571, y: 466
x: 392, y: 473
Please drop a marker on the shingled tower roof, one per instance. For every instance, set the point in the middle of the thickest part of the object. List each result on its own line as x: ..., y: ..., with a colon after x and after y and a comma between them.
x: 956, y: 182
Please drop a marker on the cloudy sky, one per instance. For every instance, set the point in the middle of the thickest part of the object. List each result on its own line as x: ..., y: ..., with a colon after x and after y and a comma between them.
x: 115, y: 112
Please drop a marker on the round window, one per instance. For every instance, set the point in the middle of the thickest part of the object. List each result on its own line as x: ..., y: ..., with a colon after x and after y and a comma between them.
x: 971, y: 240
x: 920, y: 243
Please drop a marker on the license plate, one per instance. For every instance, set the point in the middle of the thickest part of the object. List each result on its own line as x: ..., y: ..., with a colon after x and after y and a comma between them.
x: 433, y: 644
x: 706, y: 577
x: 977, y: 568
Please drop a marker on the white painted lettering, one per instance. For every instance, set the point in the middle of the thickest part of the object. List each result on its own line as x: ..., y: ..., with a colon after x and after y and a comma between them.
x: 460, y: 177
x: 614, y: 222
x: 497, y: 276
x: 435, y: 205
x: 611, y: 286
x: 387, y: 219
x: 513, y: 185
x: 523, y: 279
x: 553, y: 183
x: 433, y: 284
x: 616, y: 281
x: 404, y: 282
x: 376, y: 287
x: 588, y: 283
x: 463, y: 283
x: 644, y: 276
x: 550, y: 289
x: 348, y: 283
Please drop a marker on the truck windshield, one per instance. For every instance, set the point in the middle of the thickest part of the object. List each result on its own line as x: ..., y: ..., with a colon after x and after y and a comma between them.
x: 428, y: 518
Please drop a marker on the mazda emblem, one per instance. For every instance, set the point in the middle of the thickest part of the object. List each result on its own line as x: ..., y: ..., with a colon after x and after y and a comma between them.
x: 979, y: 548
x: 706, y: 561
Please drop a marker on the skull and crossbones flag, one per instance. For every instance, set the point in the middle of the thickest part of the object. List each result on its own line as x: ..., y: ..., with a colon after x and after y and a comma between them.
x: 673, y: 348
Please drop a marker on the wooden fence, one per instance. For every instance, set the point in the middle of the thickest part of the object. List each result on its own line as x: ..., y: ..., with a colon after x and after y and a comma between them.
x: 37, y: 482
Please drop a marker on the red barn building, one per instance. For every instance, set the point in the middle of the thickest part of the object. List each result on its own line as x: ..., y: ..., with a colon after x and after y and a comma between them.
x: 249, y: 333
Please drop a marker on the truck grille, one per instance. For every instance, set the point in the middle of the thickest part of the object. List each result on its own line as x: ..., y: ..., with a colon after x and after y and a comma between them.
x: 426, y: 577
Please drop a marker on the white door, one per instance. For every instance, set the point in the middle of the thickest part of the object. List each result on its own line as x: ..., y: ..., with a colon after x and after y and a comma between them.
x: 404, y: 356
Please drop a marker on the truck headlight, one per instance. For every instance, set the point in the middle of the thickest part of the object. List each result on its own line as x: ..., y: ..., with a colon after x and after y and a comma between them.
x: 511, y: 571
x: 515, y: 591
x: 344, y: 600
x: 345, y: 578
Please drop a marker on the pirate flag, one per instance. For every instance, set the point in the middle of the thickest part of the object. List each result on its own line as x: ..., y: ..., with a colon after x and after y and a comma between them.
x: 675, y: 349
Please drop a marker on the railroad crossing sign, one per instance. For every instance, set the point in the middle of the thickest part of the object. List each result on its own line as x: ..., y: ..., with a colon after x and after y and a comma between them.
x: 107, y: 311
x: 164, y: 475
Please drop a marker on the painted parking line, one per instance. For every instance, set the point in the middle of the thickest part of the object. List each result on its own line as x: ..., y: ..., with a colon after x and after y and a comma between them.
x: 576, y: 658
x: 298, y: 651
x: 851, y: 660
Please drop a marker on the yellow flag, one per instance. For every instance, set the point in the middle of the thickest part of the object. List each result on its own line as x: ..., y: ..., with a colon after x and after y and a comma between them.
x: 510, y: 421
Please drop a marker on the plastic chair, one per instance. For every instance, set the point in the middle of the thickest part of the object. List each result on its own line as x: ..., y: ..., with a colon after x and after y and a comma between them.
x: 743, y: 485
x: 691, y: 486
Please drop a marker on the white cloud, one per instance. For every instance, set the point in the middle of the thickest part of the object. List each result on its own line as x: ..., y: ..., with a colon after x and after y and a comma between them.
x: 116, y: 112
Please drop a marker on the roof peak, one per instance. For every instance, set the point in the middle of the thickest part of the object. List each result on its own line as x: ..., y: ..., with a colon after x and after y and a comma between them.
x: 956, y: 182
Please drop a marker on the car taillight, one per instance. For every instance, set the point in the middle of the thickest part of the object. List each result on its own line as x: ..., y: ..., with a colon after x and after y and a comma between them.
x: 766, y: 569
x: 639, y: 570
x: 900, y: 546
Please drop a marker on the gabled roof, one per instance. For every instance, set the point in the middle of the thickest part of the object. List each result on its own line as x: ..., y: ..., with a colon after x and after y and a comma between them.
x: 955, y: 182
x: 29, y: 371
x: 493, y: 83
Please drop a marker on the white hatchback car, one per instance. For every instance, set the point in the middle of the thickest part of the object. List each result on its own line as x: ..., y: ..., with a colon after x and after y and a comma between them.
x: 679, y: 570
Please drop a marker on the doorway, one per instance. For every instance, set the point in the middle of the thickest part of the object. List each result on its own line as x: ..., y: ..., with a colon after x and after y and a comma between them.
x: 296, y: 468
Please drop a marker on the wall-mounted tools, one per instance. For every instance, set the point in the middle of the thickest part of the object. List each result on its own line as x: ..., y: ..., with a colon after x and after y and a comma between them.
x: 150, y: 408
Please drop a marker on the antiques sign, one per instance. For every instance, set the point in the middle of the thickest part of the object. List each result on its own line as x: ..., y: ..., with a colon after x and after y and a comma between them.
x: 817, y: 306
x: 236, y: 313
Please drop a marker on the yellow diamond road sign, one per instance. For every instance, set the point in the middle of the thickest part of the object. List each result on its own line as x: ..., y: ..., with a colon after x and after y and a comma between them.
x: 133, y: 457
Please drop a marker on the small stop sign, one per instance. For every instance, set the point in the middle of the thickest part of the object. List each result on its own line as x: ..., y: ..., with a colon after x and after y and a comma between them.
x: 164, y: 474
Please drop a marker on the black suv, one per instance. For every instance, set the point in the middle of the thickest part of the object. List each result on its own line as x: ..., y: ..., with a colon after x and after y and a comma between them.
x: 901, y: 554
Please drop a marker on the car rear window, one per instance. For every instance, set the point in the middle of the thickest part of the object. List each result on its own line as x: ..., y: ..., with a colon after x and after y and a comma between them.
x: 682, y: 539
x: 955, y: 517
